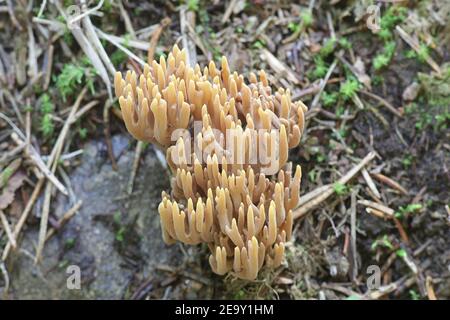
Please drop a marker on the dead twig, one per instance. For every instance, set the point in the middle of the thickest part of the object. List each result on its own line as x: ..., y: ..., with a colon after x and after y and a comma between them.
x: 413, y: 43
x: 33, y: 155
x: 430, y: 289
x: 302, y: 211
x: 9, y: 234
x: 402, y: 231
x: 370, y: 183
x: 66, y: 217
x: 385, y: 103
x: 353, y: 236
x: 155, y: 37
x: 323, y: 83
x: 24, y: 216
x: 386, y: 211
x: 382, y: 178
x: 4, y: 272
x: 279, y: 67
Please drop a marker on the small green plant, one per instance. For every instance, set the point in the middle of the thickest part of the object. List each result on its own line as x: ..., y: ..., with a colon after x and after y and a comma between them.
x: 340, y: 189
x: 377, y: 80
x: 294, y: 27
x: 349, y: 88
x: 118, y: 57
x: 384, y: 58
x: 414, y: 295
x: 344, y: 43
x: 442, y: 120
x: 381, y: 61
x: 239, y: 295
x: 384, y: 242
x: 321, y: 157
x: 401, y: 253
x: 5, y: 175
x: 407, y: 161
x: 340, y: 111
x: 312, y: 175
x: 72, y: 75
x: 193, y: 5
x: 83, y: 132
x: 329, y: 99
x: 259, y: 44
x: 328, y: 47
x: 307, y: 18
x: 320, y: 69
x: 431, y: 109
x: 393, y: 16
x: 120, y: 233
x: 421, y: 55
x: 405, y: 211
x: 69, y: 244
x: 47, y: 126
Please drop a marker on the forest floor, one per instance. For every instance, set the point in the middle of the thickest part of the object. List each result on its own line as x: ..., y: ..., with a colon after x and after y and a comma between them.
x: 376, y: 80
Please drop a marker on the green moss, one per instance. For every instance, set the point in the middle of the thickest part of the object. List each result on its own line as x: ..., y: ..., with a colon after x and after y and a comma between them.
x: 392, y: 17
x: 340, y: 189
x: 329, y: 99
x: 47, y: 108
x: 320, y: 69
x: 118, y: 57
x: 432, y: 108
x: 384, y: 58
x: 349, y: 88
x: 71, y: 78
x: 328, y: 47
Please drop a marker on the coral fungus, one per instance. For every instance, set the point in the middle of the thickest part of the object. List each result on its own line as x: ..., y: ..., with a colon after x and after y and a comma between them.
x: 226, y: 142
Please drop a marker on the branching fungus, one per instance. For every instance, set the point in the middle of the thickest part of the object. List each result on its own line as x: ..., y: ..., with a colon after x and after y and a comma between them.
x: 226, y: 142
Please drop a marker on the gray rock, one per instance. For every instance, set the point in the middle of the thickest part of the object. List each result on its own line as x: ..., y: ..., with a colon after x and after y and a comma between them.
x: 111, y: 238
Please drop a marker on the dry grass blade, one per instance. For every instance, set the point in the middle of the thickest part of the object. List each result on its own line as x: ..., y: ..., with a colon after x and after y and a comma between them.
x: 430, y: 290
x: 279, y: 67
x: 53, y: 163
x: 37, y: 160
x: 323, y: 83
x: 93, y: 38
x: 9, y: 234
x: 66, y: 217
x: 385, y: 103
x: 384, y: 209
x: 117, y: 42
x: 370, y: 183
x: 86, y: 46
x: 19, y: 225
x: 187, y: 42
